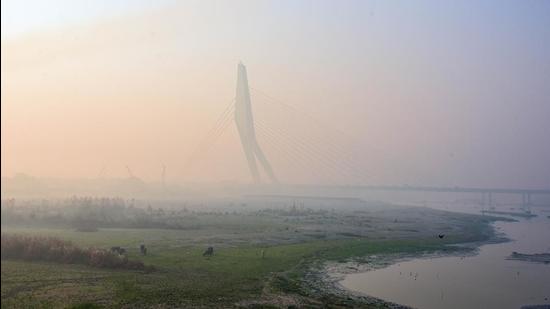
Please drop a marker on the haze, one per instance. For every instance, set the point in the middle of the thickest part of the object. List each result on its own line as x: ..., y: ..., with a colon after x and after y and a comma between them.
x: 425, y: 92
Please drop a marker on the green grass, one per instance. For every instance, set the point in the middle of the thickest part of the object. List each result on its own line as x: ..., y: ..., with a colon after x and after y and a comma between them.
x: 184, y: 277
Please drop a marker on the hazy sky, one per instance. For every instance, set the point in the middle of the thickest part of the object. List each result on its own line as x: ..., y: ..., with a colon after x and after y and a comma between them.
x: 426, y: 92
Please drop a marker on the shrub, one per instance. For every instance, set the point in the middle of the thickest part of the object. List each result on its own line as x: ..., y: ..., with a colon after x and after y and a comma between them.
x: 51, y: 249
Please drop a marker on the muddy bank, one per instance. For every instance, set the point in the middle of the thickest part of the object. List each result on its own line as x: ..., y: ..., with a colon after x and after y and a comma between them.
x: 324, y: 278
x: 535, y: 258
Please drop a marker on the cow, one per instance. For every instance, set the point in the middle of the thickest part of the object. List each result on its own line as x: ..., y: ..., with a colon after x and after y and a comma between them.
x: 208, y: 252
x: 119, y: 250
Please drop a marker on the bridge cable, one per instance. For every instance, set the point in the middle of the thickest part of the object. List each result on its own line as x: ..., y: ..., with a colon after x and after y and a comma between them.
x: 321, y: 124
x: 293, y: 158
x: 319, y: 154
x: 325, y: 155
x: 312, y: 153
x: 213, y: 134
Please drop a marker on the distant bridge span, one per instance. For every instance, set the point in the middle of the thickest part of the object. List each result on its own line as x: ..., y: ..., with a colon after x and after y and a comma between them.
x: 449, y: 189
x: 302, y: 153
x: 486, y: 193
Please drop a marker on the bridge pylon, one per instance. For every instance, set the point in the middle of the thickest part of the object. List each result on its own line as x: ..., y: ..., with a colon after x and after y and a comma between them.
x: 245, y: 125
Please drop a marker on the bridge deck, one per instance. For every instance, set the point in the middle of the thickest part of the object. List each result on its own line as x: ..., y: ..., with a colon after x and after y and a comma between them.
x: 445, y: 189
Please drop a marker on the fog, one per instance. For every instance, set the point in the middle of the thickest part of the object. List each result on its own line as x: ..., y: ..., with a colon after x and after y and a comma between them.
x: 427, y: 94
x: 281, y: 154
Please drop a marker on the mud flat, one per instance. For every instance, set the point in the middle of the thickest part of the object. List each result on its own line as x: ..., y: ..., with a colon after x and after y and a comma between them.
x: 536, y: 258
x: 443, y: 280
x: 509, y: 213
x: 323, y: 278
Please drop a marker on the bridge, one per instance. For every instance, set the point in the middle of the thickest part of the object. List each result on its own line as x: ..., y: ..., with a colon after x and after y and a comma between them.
x: 302, y: 152
x: 486, y: 193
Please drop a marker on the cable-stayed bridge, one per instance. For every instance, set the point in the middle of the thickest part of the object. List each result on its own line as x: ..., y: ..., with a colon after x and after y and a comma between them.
x: 323, y: 155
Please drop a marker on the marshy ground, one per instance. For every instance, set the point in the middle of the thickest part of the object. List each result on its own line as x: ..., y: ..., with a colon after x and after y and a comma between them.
x: 262, y: 257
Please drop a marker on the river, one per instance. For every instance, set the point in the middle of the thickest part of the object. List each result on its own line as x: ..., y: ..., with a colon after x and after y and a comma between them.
x: 484, y: 280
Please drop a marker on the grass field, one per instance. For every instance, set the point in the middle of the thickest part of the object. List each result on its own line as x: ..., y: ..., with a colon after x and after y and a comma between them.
x: 184, y: 278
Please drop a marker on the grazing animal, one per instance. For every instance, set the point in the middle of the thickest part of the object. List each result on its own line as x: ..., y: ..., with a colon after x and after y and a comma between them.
x: 119, y: 250
x: 441, y: 235
x: 208, y: 252
x: 143, y: 249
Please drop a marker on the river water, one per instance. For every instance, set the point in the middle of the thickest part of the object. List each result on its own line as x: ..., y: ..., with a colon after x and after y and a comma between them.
x: 485, y: 280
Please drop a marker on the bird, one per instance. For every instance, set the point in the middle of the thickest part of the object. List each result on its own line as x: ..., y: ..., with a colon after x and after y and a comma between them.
x: 441, y: 235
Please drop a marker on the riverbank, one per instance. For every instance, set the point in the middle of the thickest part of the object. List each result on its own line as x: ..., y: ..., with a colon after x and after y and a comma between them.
x: 509, y: 213
x: 266, y: 258
x: 323, y: 279
x: 486, y: 279
x: 535, y: 258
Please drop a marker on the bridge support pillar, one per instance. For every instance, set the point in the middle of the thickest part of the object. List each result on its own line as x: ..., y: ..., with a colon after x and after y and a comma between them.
x: 526, y: 201
x: 486, y: 199
x: 482, y: 203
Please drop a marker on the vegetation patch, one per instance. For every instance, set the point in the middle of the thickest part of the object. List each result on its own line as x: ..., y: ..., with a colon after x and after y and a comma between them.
x: 51, y: 249
x: 260, y: 258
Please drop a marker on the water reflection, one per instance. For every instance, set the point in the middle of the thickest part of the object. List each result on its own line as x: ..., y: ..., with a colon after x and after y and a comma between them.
x: 486, y: 280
